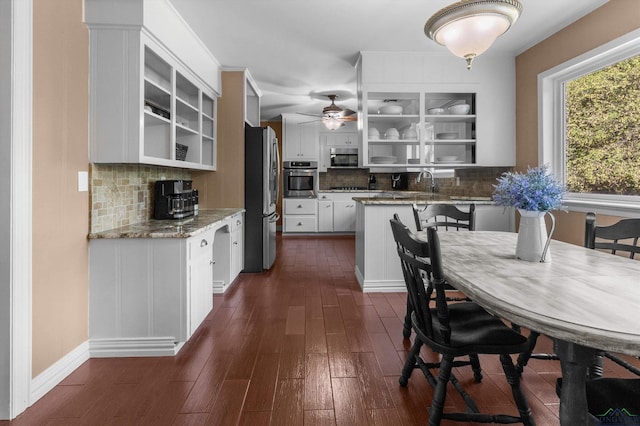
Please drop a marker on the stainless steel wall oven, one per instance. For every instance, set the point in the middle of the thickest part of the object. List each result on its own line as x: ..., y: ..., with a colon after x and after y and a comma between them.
x: 299, y: 179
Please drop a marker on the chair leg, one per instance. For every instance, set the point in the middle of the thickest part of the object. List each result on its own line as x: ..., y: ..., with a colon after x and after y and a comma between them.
x: 475, y: 366
x: 410, y: 363
x: 440, y: 393
x: 406, y: 329
x: 524, y: 357
x: 513, y: 378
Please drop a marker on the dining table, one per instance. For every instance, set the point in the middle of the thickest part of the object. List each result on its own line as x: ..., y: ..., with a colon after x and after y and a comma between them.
x: 585, y: 300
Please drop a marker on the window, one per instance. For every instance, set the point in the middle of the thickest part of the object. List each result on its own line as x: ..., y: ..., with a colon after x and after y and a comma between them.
x: 590, y: 127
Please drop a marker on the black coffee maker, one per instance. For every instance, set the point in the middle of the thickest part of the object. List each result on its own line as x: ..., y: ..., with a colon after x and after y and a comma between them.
x: 399, y: 181
x: 174, y: 199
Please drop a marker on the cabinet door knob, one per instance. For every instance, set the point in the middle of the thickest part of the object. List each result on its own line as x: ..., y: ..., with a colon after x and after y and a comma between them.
x: 235, y: 243
x: 299, y: 206
x: 299, y: 223
x: 203, y: 243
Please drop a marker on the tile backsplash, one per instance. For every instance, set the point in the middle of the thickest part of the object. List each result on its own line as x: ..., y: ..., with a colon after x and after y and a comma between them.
x: 122, y: 194
x: 476, y: 181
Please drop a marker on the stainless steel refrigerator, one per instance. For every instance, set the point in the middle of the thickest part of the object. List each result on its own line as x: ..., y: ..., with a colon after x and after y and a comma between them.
x: 261, y: 179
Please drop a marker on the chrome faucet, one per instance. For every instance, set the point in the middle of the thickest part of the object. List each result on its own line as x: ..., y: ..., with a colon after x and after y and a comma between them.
x: 428, y: 173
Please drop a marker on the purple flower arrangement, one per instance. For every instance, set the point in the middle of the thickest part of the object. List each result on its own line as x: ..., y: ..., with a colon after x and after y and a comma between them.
x: 534, y: 190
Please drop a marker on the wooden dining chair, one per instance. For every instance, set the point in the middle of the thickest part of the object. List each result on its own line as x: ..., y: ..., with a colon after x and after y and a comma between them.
x: 442, y: 217
x: 621, y: 237
x: 453, y: 330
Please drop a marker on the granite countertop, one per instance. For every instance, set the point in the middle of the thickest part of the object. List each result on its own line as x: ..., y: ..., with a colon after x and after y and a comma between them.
x: 410, y: 197
x: 179, y: 228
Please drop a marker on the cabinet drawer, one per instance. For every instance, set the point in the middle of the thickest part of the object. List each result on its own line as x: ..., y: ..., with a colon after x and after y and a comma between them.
x: 299, y: 206
x: 201, y: 245
x: 300, y: 224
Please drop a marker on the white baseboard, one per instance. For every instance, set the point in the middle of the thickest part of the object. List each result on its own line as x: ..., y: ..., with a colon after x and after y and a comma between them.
x: 134, y: 347
x: 52, y: 376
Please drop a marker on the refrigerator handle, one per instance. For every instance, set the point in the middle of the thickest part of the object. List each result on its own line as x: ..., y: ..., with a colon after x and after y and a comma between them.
x: 274, y: 217
x: 278, y: 168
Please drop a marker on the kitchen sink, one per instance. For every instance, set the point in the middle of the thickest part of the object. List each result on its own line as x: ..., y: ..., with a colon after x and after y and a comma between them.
x: 395, y: 195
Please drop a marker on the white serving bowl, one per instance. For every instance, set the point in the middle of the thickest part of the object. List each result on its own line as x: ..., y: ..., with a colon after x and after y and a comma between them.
x: 390, y: 109
x: 460, y: 109
x: 435, y: 111
x: 392, y: 133
x: 373, y: 133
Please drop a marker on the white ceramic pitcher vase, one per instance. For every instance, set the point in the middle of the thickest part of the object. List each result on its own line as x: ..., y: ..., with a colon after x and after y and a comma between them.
x: 533, y: 240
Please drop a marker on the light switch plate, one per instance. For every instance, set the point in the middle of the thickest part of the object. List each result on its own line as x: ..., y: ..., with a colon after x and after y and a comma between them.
x: 83, y: 181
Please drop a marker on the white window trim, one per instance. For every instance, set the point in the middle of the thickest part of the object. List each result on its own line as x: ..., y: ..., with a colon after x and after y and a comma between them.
x: 551, y: 119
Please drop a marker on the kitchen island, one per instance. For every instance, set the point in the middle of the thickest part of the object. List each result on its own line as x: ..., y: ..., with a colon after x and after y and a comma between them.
x: 377, y: 266
x: 151, y: 283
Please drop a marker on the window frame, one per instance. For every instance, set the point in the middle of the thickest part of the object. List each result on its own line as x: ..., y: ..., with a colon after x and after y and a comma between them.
x: 552, y: 119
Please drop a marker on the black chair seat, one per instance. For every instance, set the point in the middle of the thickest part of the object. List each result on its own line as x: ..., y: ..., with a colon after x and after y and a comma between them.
x: 474, y: 327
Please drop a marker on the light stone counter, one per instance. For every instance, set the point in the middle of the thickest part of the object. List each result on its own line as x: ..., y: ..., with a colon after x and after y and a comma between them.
x: 410, y: 197
x: 179, y: 228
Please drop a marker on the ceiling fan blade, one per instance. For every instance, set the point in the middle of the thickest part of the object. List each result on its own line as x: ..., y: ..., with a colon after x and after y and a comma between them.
x: 350, y: 118
x: 310, y: 115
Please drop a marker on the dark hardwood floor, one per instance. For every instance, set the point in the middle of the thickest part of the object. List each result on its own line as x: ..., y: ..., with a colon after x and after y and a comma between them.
x: 297, y: 345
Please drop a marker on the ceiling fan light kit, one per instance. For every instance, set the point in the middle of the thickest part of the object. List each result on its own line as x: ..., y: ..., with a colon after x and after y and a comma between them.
x: 332, y: 123
x: 469, y: 27
x: 333, y: 117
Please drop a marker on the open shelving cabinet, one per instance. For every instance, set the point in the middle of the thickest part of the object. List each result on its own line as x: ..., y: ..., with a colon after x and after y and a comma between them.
x: 422, y: 138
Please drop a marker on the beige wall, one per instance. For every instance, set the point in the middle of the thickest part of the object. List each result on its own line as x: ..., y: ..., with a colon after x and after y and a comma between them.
x: 60, y: 150
x: 612, y: 20
x: 225, y: 186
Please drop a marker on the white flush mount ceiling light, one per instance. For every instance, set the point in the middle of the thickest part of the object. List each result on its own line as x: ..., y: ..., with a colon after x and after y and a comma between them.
x: 469, y: 27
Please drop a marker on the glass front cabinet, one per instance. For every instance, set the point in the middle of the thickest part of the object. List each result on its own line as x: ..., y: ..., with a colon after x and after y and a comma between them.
x: 418, y: 129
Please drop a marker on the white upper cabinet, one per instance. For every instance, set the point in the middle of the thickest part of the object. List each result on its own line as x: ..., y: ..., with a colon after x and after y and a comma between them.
x: 413, y: 113
x: 153, y: 87
x: 300, y: 137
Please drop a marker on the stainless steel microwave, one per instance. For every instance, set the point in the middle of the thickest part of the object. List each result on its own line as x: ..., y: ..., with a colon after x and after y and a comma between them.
x: 343, y: 157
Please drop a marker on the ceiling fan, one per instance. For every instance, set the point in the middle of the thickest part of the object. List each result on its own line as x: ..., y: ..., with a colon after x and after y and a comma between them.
x: 333, y: 116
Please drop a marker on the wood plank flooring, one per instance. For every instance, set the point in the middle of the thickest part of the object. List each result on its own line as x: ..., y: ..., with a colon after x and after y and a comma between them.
x: 297, y: 345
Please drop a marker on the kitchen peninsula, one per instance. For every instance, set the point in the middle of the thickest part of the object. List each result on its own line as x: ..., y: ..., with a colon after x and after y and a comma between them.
x: 377, y: 265
x: 151, y: 283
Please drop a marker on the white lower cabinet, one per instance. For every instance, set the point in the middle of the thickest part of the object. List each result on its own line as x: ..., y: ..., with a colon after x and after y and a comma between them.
x: 200, y: 279
x: 344, y: 216
x: 325, y: 216
x: 148, y: 295
x: 337, y: 211
x: 237, y: 245
x: 300, y: 215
